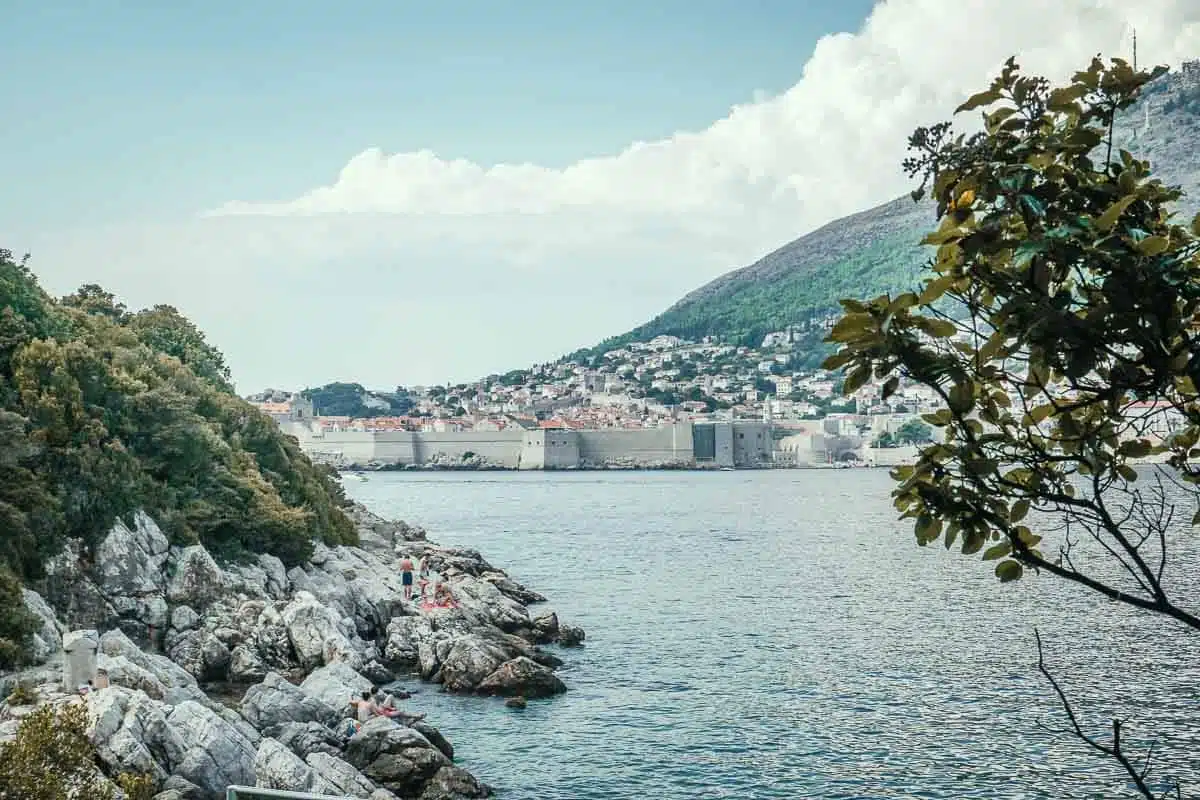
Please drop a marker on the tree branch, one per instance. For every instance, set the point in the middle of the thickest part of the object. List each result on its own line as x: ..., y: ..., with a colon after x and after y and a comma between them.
x: 1114, y: 750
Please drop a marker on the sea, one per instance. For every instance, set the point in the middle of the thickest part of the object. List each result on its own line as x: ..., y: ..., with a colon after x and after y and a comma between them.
x: 779, y: 634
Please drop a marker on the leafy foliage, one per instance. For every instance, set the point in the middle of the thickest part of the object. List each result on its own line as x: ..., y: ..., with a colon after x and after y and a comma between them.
x: 16, y: 622
x: 1076, y: 351
x: 103, y: 412
x: 1081, y: 296
x: 800, y: 283
x: 346, y: 400
x: 52, y: 758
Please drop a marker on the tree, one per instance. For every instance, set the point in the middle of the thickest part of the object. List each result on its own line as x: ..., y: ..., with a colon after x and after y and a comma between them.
x: 913, y: 432
x: 1060, y: 326
x: 164, y: 329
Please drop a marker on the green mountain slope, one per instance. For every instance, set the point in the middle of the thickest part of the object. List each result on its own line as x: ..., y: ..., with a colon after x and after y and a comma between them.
x: 878, y: 250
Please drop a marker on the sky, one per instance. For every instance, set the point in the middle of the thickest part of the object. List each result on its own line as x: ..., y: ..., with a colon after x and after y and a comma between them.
x: 413, y: 193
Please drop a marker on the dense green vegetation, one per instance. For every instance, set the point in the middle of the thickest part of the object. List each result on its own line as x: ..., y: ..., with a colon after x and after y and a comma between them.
x: 809, y: 286
x: 103, y: 412
x: 52, y: 758
x: 346, y: 400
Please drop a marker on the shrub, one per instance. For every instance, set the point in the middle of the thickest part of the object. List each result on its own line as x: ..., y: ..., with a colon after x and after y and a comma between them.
x: 22, y: 695
x: 16, y: 623
x: 52, y: 759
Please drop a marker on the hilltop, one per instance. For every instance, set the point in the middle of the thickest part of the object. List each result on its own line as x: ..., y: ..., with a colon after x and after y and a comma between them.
x: 878, y: 250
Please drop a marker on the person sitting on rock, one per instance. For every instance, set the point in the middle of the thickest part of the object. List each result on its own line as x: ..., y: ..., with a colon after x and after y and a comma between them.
x: 406, y: 576
x: 367, y: 707
x: 443, y: 597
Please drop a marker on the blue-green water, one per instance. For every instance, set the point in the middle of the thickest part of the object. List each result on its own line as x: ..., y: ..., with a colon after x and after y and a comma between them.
x: 779, y: 635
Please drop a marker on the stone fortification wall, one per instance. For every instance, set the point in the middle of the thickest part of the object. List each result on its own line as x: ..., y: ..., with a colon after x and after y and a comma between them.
x: 741, y: 443
x: 665, y: 445
x: 550, y: 449
x: 497, y: 448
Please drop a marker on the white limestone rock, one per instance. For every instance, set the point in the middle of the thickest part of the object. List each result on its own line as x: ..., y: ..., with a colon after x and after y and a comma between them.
x: 47, y: 638
x: 335, y: 685
x: 275, y: 702
x: 196, y: 580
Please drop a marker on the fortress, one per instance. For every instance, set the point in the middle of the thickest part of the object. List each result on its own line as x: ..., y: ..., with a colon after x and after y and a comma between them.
x: 678, y: 445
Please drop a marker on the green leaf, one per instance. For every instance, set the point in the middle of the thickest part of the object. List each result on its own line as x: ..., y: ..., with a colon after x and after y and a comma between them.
x: 1109, y: 218
x: 940, y: 418
x: 1136, y: 448
x: 1127, y: 472
x: 928, y: 528
x: 852, y: 326
x: 973, y: 542
x: 1037, y: 415
x: 889, y: 388
x: 1018, y: 511
x: 980, y: 99
x: 962, y: 398
x: 837, y: 360
x: 1153, y: 245
x: 1064, y: 98
x: 999, y: 550
x: 1008, y: 571
x: 938, y: 328
x: 935, y: 288
x: 855, y: 380
x: 1196, y: 225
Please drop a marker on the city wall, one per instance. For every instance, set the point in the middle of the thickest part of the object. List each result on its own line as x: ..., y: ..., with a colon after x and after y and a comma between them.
x: 730, y: 444
x: 665, y: 445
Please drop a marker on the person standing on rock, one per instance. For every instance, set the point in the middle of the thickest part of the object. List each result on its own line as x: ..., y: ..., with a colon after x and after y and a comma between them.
x: 406, y: 577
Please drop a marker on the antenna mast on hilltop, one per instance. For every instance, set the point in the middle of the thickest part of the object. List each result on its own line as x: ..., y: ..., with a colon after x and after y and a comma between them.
x: 1135, y: 49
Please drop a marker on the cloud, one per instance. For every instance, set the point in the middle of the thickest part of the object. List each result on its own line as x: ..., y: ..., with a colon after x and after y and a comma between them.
x: 419, y: 267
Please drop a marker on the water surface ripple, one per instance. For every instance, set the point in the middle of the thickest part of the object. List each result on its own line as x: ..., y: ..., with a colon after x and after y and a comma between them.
x: 780, y: 635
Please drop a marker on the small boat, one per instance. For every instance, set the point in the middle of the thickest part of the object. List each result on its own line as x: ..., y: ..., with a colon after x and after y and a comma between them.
x: 728, y: 469
x: 354, y: 476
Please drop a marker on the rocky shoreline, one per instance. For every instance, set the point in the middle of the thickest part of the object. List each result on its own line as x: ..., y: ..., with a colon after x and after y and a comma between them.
x: 242, y: 674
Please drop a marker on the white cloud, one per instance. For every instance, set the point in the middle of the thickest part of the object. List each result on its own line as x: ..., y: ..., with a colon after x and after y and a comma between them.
x: 415, y: 267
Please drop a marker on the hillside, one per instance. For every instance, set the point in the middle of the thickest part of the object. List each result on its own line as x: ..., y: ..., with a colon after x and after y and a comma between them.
x: 104, y: 411
x: 877, y: 251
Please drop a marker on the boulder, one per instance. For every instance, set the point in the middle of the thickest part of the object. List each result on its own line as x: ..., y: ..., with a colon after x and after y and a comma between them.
x: 454, y: 783
x: 202, y: 654
x: 315, y: 634
x: 570, y: 635
x: 404, y: 637
x: 395, y: 757
x: 46, y: 640
x: 335, y: 685
x: 245, y: 665
x: 184, y: 618
x: 207, y: 750
x: 305, y: 738
x: 275, y: 702
x: 545, y: 627
x: 333, y: 776
x: 129, y: 561
x: 277, y: 767
x: 124, y: 672
x: 128, y: 729
x: 471, y: 659
x: 196, y: 580
x: 512, y: 589
x: 522, y: 676
x: 170, y: 675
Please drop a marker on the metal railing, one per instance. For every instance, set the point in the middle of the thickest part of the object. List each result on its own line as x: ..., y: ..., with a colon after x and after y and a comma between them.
x: 252, y: 793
